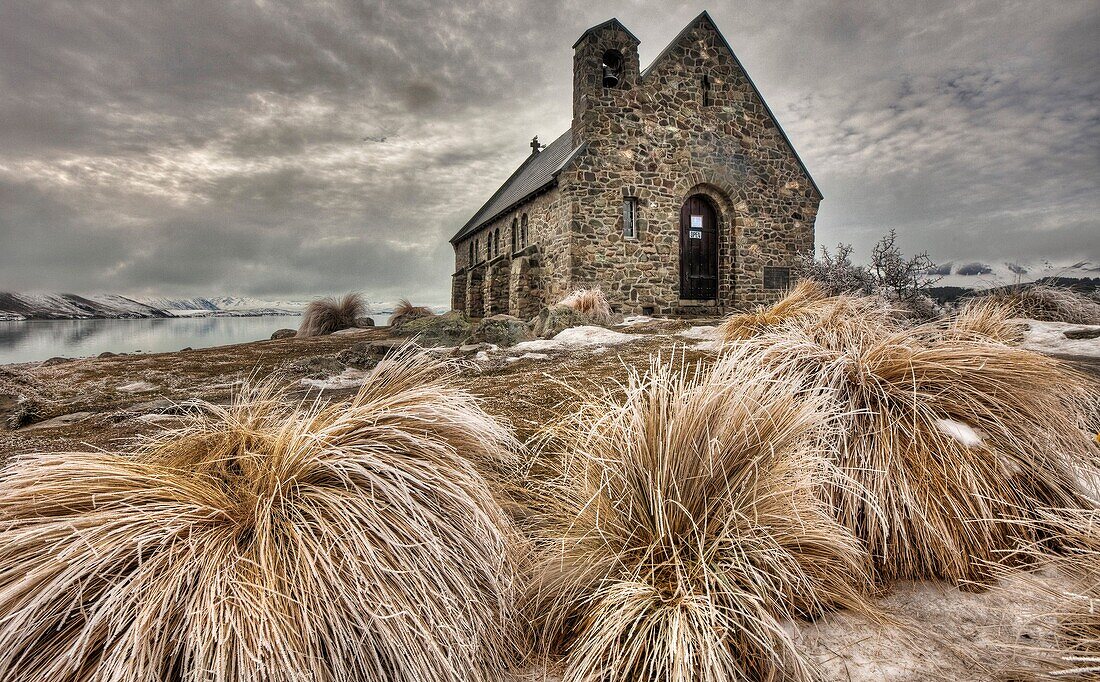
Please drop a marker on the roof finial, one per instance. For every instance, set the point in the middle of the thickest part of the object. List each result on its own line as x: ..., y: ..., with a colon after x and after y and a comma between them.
x: 535, y: 146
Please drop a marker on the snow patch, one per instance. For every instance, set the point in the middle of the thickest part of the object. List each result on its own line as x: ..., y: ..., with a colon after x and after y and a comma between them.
x: 959, y: 431
x: 136, y: 387
x: 1049, y: 337
x: 705, y: 333
x: 529, y: 356
x: 577, y: 337
x: 349, y: 378
x: 631, y: 320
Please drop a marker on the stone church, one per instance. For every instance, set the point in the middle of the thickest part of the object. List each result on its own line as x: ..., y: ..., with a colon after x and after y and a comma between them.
x: 674, y: 190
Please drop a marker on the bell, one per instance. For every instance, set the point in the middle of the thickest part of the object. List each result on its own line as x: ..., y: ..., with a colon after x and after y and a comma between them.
x: 610, y: 78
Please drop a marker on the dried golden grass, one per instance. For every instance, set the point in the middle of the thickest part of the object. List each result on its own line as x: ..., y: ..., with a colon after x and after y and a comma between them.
x: 985, y: 318
x: 1049, y: 302
x: 946, y: 437
x: 405, y: 312
x: 1073, y: 605
x: 327, y: 315
x: 683, y: 529
x: 590, y: 302
x: 799, y: 301
x: 268, y: 542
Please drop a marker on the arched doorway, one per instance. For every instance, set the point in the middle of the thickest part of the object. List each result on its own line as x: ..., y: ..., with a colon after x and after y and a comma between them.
x: 698, y: 249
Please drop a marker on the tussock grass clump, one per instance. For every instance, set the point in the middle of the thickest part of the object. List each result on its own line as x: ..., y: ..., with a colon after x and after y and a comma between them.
x: 327, y: 315
x: 590, y: 302
x: 1050, y: 303
x: 683, y: 529
x: 267, y: 542
x: 799, y: 301
x: 405, y: 311
x: 984, y: 319
x: 948, y: 437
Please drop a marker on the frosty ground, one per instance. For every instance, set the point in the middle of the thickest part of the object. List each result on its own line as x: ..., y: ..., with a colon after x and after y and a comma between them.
x: 933, y: 630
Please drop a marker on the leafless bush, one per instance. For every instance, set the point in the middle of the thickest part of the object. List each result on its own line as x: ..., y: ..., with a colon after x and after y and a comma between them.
x: 836, y: 273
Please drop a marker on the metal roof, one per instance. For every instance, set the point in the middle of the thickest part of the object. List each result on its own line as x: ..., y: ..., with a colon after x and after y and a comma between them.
x: 535, y: 173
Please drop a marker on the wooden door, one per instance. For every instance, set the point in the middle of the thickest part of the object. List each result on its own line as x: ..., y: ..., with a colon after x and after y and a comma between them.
x: 698, y: 249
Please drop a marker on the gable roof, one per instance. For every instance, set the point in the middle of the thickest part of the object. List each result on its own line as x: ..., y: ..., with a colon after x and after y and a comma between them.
x: 537, y: 172
x: 610, y: 23
x: 705, y: 16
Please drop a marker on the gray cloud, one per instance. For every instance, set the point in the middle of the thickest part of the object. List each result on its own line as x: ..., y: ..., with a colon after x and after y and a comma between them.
x: 289, y: 149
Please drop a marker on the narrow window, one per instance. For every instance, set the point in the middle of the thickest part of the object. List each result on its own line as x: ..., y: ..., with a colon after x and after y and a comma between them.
x: 523, y: 231
x: 630, y: 218
x: 706, y: 90
x: 515, y: 235
x: 470, y: 260
x: 477, y: 251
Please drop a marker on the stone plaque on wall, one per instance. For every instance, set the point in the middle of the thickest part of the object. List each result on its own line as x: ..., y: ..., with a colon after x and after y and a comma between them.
x: 777, y: 278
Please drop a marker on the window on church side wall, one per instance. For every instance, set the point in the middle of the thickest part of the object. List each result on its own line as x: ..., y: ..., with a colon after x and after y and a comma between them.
x: 630, y: 218
x: 523, y: 231
x: 706, y: 90
x: 515, y: 235
x: 477, y: 252
x: 470, y: 260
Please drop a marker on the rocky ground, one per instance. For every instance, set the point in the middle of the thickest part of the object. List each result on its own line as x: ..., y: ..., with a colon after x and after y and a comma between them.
x: 933, y: 631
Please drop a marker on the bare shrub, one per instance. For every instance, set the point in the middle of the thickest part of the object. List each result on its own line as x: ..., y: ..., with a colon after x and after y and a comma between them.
x: 683, y: 529
x: 405, y: 312
x: 269, y: 542
x: 327, y: 315
x: 590, y: 302
x: 836, y: 273
x: 1049, y: 302
x: 946, y: 438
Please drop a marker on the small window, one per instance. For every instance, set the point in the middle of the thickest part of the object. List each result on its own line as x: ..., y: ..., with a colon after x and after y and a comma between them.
x: 630, y: 218
x: 706, y: 90
x: 777, y: 278
x: 515, y: 235
x: 477, y: 252
x: 523, y: 232
x: 470, y: 260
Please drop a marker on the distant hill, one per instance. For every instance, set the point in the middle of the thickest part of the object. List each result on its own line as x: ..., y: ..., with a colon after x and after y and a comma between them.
x: 56, y: 306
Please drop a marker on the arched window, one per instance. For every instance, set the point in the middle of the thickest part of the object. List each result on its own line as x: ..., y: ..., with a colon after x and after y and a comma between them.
x: 477, y: 251
x: 515, y: 234
x: 523, y: 231
x: 706, y: 90
x: 496, y: 242
x: 470, y: 260
x: 489, y: 246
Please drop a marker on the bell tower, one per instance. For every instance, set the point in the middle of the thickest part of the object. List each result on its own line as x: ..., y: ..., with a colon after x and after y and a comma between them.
x: 605, y: 72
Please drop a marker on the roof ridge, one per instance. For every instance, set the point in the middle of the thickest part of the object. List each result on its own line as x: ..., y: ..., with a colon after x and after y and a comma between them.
x: 613, y: 21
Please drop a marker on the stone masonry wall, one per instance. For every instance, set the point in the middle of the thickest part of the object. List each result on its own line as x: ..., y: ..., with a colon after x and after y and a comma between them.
x: 545, y: 277
x: 653, y: 139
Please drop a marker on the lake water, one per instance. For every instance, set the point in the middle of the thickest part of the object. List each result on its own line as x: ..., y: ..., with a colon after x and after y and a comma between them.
x: 33, y: 340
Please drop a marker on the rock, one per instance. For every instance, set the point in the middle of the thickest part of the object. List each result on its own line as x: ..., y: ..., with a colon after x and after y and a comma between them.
x: 380, y: 348
x: 448, y: 329
x: 348, y: 331
x: 317, y: 366
x: 56, y: 360
x: 555, y: 319
x: 283, y: 334
x: 502, y: 330
x: 362, y: 355
x: 107, y: 354
x: 472, y: 349
x: 63, y: 420
x: 364, y: 322
x: 1083, y: 333
x: 185, y: 349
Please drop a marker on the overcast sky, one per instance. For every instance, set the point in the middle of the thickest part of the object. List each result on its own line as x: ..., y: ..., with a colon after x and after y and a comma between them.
x: 286, y: 149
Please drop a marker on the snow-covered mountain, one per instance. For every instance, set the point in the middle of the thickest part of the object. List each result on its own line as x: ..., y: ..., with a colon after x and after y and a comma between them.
x: 51, y: 306
x: 54, y: 306
x: 987, y: 275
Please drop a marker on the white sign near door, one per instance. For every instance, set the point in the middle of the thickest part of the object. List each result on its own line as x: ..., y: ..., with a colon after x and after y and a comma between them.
x: 697, y: 221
